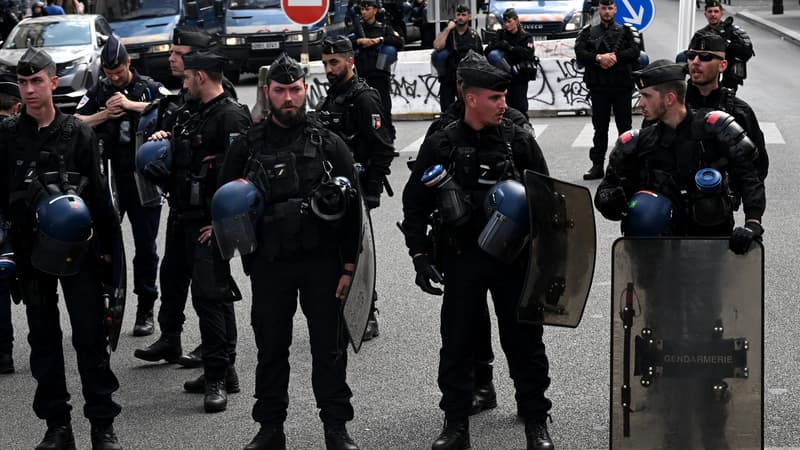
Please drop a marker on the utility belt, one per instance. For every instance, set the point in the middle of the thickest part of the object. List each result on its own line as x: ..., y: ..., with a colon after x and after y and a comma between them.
x: 289, y: 228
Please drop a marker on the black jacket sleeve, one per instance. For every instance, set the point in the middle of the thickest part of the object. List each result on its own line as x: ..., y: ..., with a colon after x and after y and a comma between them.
x: 375, y: 148
x: 584, y: 50
x: 418, y: 201
x: 390, y: 37
x: 344, y: 165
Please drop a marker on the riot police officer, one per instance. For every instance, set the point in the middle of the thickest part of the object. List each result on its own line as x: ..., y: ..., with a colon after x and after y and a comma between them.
x: 708, y: 60
x: 517, y: 46
x: 307, y: 243
x: 665, y: 158
x: 353, y: 111
x: 9, y: 105
x: 738, y: 48
x: 478, y: 152
x: 607, y: 50
x: 457, y: 39
x: 112, y: 107
x: 199, y: 143
x: 52, y: 190
x: 368, y: 59
x: 173, y: 302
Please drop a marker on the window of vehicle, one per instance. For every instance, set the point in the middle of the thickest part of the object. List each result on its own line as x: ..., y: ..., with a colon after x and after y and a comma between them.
x: 49, y: 34
x: 120, y: 10
x: 103, y: 27
x: 253, y: 4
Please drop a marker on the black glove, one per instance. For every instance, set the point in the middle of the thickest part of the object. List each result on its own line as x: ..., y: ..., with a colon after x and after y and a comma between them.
x: 372, y: 201
x: 372, y: 193
x: 612, y: 203
x: 157, y: 172
x: 427, y: 272
x: 741, y: 237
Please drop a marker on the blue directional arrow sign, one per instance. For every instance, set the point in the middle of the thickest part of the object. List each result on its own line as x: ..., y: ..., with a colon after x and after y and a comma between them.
x: 636, y: 13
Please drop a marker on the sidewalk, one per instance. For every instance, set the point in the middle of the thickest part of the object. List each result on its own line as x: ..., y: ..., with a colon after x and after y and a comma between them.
x: 759, y: 13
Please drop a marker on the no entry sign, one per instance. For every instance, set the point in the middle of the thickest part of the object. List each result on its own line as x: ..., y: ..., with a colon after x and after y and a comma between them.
x: 305, y: 12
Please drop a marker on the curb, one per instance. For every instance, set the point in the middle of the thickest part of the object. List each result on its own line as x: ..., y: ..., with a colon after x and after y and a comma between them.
x: 770, y: 26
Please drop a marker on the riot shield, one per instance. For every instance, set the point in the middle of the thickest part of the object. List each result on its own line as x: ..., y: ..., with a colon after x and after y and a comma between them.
x: 686, y: 344
x: 149, y: 193
x: 358, y: 301
x: 562, y: 252
x: 113, y: 280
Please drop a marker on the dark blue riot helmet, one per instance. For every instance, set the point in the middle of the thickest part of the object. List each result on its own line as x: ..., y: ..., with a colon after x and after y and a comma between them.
x: 644, y: 59
x: 508, y: 228
x: 708, y: 180
x: 236, y: 209
x: 648, y: 214
x: 149, y: 193
x: 63, y: 234
x: 497, y: 58
x: 439, y: 61
x: 387, y: 56
x: 154, y: 160
x: 329, y: 201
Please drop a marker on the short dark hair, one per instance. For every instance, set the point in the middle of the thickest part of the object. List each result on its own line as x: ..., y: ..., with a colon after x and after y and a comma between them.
x: 7, y: 102
x: 463, y: 9
x: 676, y: 86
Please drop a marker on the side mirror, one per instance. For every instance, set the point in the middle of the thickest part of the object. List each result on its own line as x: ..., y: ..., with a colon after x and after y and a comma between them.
x: 101, y: 39
x: 219, y: 8
x: 192, y: 11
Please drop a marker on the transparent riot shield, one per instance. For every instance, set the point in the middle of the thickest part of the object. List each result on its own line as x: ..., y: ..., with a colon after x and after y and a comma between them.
x: 686, y: 345
x: 562, y: 252
x: 359, y: 297
x: 114, y: 276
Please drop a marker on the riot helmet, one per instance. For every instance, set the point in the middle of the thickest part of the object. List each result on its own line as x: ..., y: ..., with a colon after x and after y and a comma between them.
x: 330, y: 199
x: 648, y: 214
x: 439, y: 61
x: 63, y: 234
x: 497, y: 58
x: 508, y: 228
x: 154, y: 152
x: 149, y: 193
x: 387, y: 57
x: 236, y: 209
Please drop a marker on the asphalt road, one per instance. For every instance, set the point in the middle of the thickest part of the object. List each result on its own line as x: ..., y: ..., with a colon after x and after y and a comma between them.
x: 394, y: 377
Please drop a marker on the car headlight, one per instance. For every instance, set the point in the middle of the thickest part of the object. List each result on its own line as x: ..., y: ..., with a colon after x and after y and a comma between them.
x: 233, y: 41
x: 163, y: 48
x: 575, y: 22
x: 70, y: 67
x: 492, y: 23
x: 296, y: 37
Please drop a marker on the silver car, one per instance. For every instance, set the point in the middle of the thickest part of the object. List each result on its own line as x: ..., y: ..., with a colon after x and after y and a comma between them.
x: 73, y: 41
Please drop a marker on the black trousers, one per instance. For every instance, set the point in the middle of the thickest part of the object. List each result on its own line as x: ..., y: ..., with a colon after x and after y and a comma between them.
x: 188, y: 263
x: 447, y: 93
x: 275, y: 294
x: 517, y: 96
x: 144, y: 225
x: 602, y: 103
x: 85, y: 309
x: 484, y: 355
x: 381, y: 81
x: 6, y: 328
x: 469, y: 276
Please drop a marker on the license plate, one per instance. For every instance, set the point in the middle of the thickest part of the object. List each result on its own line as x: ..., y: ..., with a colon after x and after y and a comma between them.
x: 133, y: 55
x: 539, y: 37
x: 265, y: 45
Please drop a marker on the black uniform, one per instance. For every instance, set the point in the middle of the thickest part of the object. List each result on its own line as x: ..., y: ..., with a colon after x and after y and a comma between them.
x: 6, y: 327
x: 367, y: 58
x: 199, y: 143
x: 518, y: 47
x: 457, y: 45
x: 665, y: 161
x: 738, y: 51
x: 724, y: 99
x: 119, y: 146
x: 608, y: 88
x: 297, y: 252
x: 456, y: 112
x: 26, y: 152
x: 469, y: 271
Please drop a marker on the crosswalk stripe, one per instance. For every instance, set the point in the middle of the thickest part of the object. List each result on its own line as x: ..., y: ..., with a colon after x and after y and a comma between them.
x: 539, y: 129
x: 414, y: 146
x: 772, y: 135
x: 586, y: 136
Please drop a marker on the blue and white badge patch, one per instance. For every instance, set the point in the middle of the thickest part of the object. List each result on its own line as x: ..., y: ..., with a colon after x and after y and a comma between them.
x: 376, y: 121
x: 83, y: 102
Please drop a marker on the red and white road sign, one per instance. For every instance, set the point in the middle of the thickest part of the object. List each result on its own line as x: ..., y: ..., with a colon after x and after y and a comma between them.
x: 305, y: 12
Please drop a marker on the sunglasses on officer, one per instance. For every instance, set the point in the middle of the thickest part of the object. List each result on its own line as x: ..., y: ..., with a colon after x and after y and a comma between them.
x: 704, y: 56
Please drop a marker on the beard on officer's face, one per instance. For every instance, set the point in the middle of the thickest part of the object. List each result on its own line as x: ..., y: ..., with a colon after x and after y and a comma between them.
x: 288, y: 118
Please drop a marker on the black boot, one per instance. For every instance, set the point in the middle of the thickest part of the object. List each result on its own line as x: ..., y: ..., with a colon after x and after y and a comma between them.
x: 483, y: 397
x: 104, y: 438
x: 144, y: 325
x: 594, y: 173
x: 269, y: 437
x: 198, y: 385
x: 58, y: 437
x: 336, y: 438
x: 167, y: 347
x: 537, y: 436
x: 372, y: 325
x: 193, y: 359
x: 6, y: 363
x: 454, y: 435
x: 216, y: 399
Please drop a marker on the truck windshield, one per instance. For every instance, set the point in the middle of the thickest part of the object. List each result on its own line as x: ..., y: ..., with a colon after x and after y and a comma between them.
x: 253, y: 4
x: 121, y: 10
x: 49, y: 34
